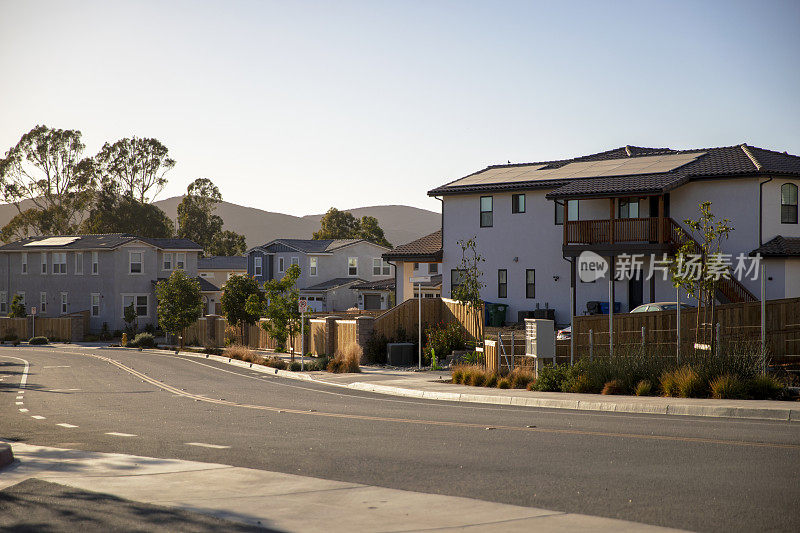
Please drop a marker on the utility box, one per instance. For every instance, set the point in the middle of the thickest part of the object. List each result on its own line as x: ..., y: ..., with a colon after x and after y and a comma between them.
x: 540, y: 341
x: 400, y: 354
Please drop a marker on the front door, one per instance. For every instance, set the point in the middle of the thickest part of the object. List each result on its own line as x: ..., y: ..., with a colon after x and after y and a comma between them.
x: 635, y: 290
x: 372, y: 302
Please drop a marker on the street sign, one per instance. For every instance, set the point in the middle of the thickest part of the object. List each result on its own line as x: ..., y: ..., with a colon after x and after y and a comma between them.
x: 33, y: 310
x: 420, y: 279
x: 302, y: 305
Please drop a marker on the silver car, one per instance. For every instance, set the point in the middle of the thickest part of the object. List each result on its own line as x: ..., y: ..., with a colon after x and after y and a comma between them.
x: 660, y: 306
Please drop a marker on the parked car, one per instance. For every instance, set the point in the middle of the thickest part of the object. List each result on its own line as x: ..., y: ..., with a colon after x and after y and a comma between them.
x: 660, y: 306
x: 564, y: 334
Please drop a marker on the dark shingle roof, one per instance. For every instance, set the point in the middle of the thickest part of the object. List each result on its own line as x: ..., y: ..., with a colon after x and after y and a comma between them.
x: 205, y: 285
x: 310, y: 246
x: 427, y: 248
x: 222, y: 262
x: 737, y: 160
x: 779, y: 247
x: 332, y: 284
x: 107, y: 241
x: 381, y: 285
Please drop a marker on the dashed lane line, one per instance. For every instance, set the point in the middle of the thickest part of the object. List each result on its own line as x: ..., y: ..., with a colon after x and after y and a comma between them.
x: 19, y: 397
x: 117, y: 434
x: 20, y: 403
x: 39, y: 417
x: 206, y: 445
x: 23, y: 410
x: 65, y: 425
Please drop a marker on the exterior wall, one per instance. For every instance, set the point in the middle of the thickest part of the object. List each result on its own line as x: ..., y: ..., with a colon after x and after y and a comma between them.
x: 792, y: 277
x: 771, y: 210
x: 219, y: 277
x: 266, y: 265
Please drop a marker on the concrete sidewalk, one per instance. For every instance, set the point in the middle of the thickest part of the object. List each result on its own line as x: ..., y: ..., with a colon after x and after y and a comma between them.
x: 429, y: 385
x: 283, y: 501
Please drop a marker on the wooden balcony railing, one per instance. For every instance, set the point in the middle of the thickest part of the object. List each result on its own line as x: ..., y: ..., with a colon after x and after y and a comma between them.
x: 619, y: 230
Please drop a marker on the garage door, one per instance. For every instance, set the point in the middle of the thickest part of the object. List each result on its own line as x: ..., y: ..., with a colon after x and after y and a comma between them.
x: 372, y: 301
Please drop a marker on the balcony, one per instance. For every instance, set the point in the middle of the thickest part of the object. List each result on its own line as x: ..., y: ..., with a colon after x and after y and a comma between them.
x: 651, y: 230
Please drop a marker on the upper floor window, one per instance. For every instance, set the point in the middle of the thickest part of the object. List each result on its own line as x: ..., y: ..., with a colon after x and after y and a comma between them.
x: 3, y: 302
x: 788, y: 203
x: 95, y: 304
x: 572, y: 211
x: 95, y: 263
x: 44, y: 262
x: 312, y: 266
x: 296, y: 261
x: 59, y: 263
x: 530, y: 283
x: 517, y: 203
x: 433, y: 268
x: 628, y: 208
x: 502, y: 283
x: 24, y: 262
x: 136, y: 266
x: 380, y: 267
x: 79, y: 263
x: 257, y: 270
x: 280, y: 265
x: 180, y: 260
x: 352, y: 266
x: 486, y: 212
x: 64, y: 304
x: 167, y: 261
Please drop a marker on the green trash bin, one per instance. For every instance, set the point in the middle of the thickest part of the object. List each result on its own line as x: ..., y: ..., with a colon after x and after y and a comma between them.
x: 497, y: 314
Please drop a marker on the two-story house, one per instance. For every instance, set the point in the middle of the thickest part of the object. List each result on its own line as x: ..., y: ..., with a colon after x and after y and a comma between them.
x: 216, y: 270
x: 102, y: 274
x: 533, y: 220
x: 328, y: 268
x: 417, y: 259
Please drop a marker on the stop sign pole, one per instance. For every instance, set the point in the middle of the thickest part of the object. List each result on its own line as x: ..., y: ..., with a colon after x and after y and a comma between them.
x: 302, y: 304
x: 419, y: 280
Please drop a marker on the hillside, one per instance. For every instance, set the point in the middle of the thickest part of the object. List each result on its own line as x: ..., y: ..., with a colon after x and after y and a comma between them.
x: 401, y: 223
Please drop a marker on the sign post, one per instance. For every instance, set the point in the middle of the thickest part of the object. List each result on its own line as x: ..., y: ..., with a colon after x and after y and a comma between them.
x: 419, y: 280
x: 33, y: 321
x: 302, y: 305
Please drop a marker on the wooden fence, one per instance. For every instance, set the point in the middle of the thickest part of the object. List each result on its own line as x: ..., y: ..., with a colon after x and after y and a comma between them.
x: 71, y: 327
x: 405, y: 317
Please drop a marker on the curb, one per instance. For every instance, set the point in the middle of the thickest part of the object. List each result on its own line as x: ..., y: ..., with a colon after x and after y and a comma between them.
x: 749, y: 413
x: 6, y: 455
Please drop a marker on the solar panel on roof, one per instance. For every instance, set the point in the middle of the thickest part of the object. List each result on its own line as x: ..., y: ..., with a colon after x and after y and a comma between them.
x: 53, y: 241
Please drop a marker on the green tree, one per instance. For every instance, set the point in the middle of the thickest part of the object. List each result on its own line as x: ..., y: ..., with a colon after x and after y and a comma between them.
x: 242, y: 301
x: 281, y: 308
x: 137, y: 165
x: 17, y: 307
x: 468, y: 289
x: 180, y: 303
x: 197, y: 221
x: 112, y: 212
x: 131, y: 318
x: 228, y: 243
x: 337, y: 224
x: 45, y: 169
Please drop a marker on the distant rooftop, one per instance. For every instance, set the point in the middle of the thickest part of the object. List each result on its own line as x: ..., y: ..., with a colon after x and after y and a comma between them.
x: 94, y: 242
x: 427, y: 248
x: 310, y: 246
x: 222, y: 262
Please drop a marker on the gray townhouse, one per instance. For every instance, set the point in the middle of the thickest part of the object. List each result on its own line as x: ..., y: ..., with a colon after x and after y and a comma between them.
x: 101, y: 274
x: 329, y: 269
x: 532, y: 221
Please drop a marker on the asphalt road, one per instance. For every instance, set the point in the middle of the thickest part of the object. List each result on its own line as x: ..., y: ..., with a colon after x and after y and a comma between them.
x: 693, y: 473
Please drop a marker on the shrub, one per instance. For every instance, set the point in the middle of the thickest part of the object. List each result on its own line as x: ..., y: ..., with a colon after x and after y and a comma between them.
x: 211, y: 350
x: 643, y: 388
x: 764, y: 387
x: 231, y: 335
x: 294, y: 366
x: 550, y: 378
x: 458, y: 374
x: 444, y: 338
x: 728, y: 386
x: 491, y: 379
x: 143, y: 340
x: 669, y: 387
x: 613, y: 387
x: 242, y: 353
x: 375, y: 349
x: 577, y: 382
x: 477, y: 377
x: 37, y: 341
x: 520, y: 377
x: 11, y: 337
x: 505, y: 383
x: 346, y: 361
x: 275, y: 362
x: 687, y: 383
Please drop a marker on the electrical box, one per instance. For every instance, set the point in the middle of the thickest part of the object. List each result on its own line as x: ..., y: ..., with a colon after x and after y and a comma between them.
x: 400, y: 354
x: 540, y: 340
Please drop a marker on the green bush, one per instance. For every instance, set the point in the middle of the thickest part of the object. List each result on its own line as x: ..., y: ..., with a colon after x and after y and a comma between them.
x: 143, y: 340
x: 643, y: 388
x: 10, y: 337
x: 37, y: 341
x: 491, y: 379
x: 503, y: 383
x: 577, y: 378
x: 686, y: 383
x: 551, y: 378
x: 444, y: 338
x: 764, y: 387
x: 276, y: 362
x: 728, y: 386
x: 294, y: 366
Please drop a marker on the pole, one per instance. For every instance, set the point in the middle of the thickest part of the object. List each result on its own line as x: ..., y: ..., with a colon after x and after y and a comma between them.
x: 642, y: 338
x: 302, y: 339
x: 716, y: 345
x: 678, y: 325
x: 419, y: 296
x: 763, y: 320
x: 610, y: 307
x: 572, y: 283
x: 591, y: 345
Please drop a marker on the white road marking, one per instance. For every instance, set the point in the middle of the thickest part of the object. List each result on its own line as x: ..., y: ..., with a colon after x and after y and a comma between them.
x: 57, y: 366
x: 19, y: 397
x: 23, y: 410
x: 63, y: 390
x: 115, y: 434
x: 20, y: 403
x: 205, y: 445
x: 38, y: 417
x: 64, y: 425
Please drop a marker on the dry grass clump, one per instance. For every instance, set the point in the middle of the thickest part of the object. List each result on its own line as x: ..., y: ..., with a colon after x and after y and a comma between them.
x: 505, y: 383
x: 347, y: 360
x: 491, y: 379
x: 614, y: 386
x: 728, y: 387
x: 521, y: 377
x: 275, y: 362
x: 243, y: 353
x: 765, y: 387
x: 683, y: 382
x: 643, y: 388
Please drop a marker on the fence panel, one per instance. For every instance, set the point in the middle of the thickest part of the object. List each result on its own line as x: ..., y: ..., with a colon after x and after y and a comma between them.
x: 345, y: 334
x: 316, y: 340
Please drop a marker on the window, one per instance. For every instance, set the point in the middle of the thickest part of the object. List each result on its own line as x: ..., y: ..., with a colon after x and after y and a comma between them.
x: 63, y: 303
x: 95, y: 263
x: 530, y: 283
x: 79, y: 263
x: 136, y: 262
x: 257, y: 266
x: 44, y: 262
x: 60, y: 263
x: 296, y: 261
x: 416, y: 266
x: 95, y: 304
x: 312, y: 266
x: 24, y: 263
x: 456, y: 277
x: 280, y: 264
x: 376, y: 266
x: 517, y: 203
x: 628, y: 208
x: 486, y: 212
x: 433, y: 268
x: 140, y: 302
x: 43, y: 302
x: 180, y: 260
x: 4, y: 302
x: 572, y: 211
x: 352, y: 266
x: 788, y: 203
x: 502, y: 283
x: 22, y: 298
x: 167, y: 263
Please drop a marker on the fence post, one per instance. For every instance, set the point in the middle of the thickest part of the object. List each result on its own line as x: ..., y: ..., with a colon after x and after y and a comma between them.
x: 716, y: 345
x: 642, y: 338
x: 330, y: 335
x: 591, y: 345
x: 678, y: 325
x: 763, y: 320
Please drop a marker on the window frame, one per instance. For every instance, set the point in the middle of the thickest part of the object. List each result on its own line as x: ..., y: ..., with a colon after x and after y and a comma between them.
x: 4, y: 302
x: 433, y: 268
x: 350, y: 267
x: 453, y: 286
x: 489, y: 222
x: 281, y: 265
x: 64, y: 303
x: 515, y: 207
x: 43, y: 302
x: 57, y: 262
x: 131, y: 262
x: 530, y: 288
x: 79, y: 263
x: 313, y: 263
x: 792, y: 211
x: 167, y: 258
x: 502, y: 283
x: 92, y: 297
x: 626, y: 203
x: 95, y: 263
x: 258, y: 266
x: 180, y: 260
x: 377, y: 268
x: 559, y: 211
x: 44, y: 263
x: 135, y: 297
x: 24, y: 263
x: 294, y: 261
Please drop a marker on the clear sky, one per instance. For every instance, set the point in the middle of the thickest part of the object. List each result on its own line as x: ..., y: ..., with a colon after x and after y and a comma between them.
x: 297, y: 106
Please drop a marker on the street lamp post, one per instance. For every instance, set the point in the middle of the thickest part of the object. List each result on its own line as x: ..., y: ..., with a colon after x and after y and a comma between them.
x: 419, y: 280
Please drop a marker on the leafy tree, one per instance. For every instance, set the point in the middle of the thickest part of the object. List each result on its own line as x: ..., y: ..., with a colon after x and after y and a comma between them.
x: 130, y: 317
x: 242, y: 301
x: 281, y: 309
x: 180, y: 303
x: 17, y: 307
x: 468, y: 290
x: 46, y: 168
x: 337, y: 224
x: 115, y: 213
x: 228, y: 243
x: 137, y: 165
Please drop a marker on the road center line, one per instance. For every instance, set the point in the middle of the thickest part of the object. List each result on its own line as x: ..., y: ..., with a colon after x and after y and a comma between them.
x: 206, y: 445
x: 116, y: 434
x: 65, y: 425
x: 38, y: 417
x: 23, y: 410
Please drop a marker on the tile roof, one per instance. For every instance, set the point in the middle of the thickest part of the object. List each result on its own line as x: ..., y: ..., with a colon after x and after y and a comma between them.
x: 97, y: 242
x: 779, y: 247
x: 222, y: 262
x: 380, y: 285
x: 332, y: 284
x: 311, y: 246
x: 739, y: 160
x: 425, y: 248
x: 205, y: 285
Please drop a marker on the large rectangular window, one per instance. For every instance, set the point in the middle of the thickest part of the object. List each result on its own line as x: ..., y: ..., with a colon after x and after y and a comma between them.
x: 95, y: 304
x: 486, y: 212
x: 257, y: 266
x: 312, y: 266
x: 79, y: 263
x: 180, y: 260
x: 788, y: 203
x: 433, y: 268
x: 139, y: 301
x: 517, y: 203
x: 135, y: 265
x: 502, y: 283
x: 628, y: 208
x: 380, y: 267
x: 352, y: 266
x: 456, y: 278
x: 59, y: 263
x: 530, y: 283
x: 572, y: 211
x: 24, y: 262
